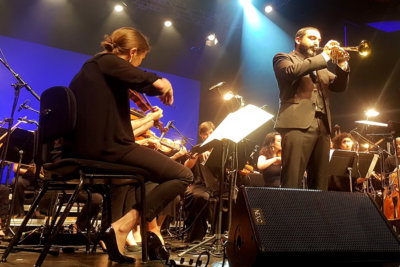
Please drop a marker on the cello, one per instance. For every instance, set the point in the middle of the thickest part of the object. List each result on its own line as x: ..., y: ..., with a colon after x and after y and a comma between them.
x: 391, y: 198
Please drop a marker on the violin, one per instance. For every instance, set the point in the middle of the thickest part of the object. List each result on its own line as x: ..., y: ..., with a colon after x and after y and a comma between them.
x: 247, y: 169
x: 165, y: 146
x: 144, y: 104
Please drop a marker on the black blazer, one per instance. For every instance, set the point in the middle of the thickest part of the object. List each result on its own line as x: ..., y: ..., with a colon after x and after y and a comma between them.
x: 292, y: 72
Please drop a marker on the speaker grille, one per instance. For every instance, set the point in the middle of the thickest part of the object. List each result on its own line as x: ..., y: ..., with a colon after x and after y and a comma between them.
x: 315, y: 221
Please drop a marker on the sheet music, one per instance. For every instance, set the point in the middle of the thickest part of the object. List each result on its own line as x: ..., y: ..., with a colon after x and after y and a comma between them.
x: 237, y: 125
x: 372, y: 166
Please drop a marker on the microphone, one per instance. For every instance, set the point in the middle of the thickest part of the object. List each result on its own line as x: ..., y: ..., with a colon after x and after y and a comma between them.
x: 216, y: 86
x: 360, y: 136
x: 23, y: 105
x: 166, y: 129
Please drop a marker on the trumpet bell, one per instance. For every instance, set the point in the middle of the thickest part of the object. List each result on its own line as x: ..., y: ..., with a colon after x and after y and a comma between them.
x: 364, y: 49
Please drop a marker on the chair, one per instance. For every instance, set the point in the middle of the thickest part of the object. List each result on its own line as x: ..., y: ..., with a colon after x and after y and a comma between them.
x: 57, y: 119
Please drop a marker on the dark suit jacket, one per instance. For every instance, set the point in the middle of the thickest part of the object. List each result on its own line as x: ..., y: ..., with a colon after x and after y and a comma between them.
x: 292, y: 72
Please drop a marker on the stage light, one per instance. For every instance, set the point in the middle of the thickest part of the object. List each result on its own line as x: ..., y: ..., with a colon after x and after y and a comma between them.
x: 245, y: 3
x: 118, y: 8
x: 268, y: 9
x: 371, y: 113
x: 228, y: 95
x: 211, y: 37
x: 211, y: 40
x: 167, y: 23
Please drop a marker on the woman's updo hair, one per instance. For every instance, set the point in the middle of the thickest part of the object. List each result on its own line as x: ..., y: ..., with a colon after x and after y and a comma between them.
x: 122, y: 40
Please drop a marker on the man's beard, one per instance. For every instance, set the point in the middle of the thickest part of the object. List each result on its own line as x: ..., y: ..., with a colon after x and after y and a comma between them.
x: 307, y: 51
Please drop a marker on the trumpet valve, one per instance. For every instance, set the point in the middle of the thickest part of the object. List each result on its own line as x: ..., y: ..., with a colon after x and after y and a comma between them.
x: 339, y: 54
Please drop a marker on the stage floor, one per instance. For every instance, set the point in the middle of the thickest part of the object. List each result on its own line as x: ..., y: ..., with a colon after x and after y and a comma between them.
x: 81, y: 259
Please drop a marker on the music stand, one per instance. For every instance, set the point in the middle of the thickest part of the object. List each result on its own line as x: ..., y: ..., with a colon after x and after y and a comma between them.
x: 20, y: 139
x: 20, y: 150
x: 351, y: 164
x: 236, y: 126
x: 340, y: 164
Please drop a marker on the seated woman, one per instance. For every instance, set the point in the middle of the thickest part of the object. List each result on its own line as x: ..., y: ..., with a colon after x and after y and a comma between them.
x: 269, y: 161
x: 125, y: 196
x: 103, y: 130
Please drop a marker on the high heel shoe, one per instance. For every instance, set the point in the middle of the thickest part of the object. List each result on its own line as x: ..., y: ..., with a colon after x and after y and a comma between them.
x: 110, y: 240
x: 157, y: 251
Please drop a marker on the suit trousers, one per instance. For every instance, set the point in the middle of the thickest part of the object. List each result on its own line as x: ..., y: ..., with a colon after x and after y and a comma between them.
x: 306, y: 150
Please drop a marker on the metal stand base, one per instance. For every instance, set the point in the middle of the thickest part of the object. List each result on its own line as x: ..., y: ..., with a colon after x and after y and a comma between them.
x: 219, y: 249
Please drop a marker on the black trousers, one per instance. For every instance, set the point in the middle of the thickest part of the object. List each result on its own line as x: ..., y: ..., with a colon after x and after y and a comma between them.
x: 90, y: 210
x: 172, y: 177
x: 306, y: 150
x: 197, y: 212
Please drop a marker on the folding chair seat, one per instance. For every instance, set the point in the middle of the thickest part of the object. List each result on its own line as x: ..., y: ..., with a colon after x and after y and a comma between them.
x: 57, y: 119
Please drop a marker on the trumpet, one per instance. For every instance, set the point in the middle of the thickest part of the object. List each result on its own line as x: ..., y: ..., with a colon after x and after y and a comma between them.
x: 363, y: 49
x: 340, y: 53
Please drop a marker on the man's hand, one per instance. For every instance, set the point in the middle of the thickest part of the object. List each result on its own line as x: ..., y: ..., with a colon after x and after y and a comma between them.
x: 328, y: 47
x: 337, y: 54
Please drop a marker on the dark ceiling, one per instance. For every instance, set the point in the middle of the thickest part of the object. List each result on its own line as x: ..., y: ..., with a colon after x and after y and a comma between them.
x: 79, y: 25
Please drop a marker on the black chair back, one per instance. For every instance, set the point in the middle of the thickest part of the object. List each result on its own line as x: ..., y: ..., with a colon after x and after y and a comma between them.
x: 57, y: 118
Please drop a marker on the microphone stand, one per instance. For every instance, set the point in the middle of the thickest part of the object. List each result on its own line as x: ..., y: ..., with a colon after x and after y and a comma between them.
x: 31, y: 109
x: 184, y: 138
x: 20, y: 81
x: 17, y: 88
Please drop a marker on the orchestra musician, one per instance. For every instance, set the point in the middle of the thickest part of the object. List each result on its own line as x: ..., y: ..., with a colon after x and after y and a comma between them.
x: 269, y: 160
x: 390, y: 162
x: 103, y: 130
x: 304, y: 119
x: 205, y: 186
x: 391, y: 189
x: 125, y: 196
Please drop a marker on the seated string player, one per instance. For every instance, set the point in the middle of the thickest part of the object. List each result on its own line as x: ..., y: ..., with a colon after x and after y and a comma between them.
x: 205, y: 186
x: 125, y: 196
x: 103, y: 128
x: 269, y: 161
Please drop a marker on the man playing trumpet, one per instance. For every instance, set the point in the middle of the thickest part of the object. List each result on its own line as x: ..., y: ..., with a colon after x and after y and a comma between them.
x: 304, y: 119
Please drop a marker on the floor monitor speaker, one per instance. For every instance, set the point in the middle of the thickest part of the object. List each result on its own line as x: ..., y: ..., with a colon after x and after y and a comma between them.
x: 276, y: 225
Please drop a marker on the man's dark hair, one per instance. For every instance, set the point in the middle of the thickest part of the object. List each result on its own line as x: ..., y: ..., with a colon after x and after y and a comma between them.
x: 337, y: 140
x: 300, y: 33
x: 206, y: 126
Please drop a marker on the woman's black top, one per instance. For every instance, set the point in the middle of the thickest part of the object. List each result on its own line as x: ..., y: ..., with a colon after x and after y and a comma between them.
x: 103, y: 129
x: 272, y: 175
